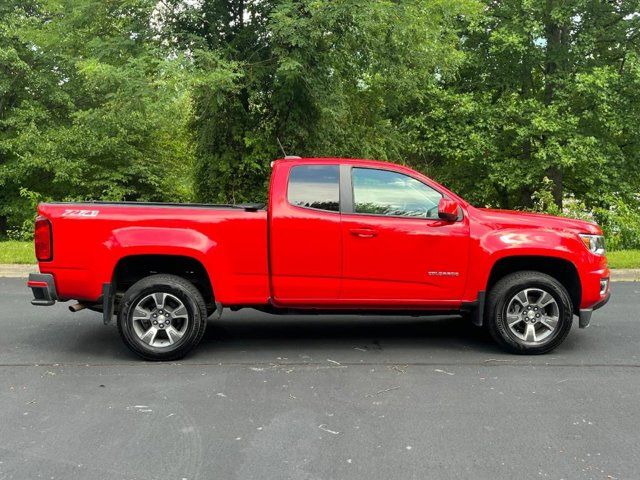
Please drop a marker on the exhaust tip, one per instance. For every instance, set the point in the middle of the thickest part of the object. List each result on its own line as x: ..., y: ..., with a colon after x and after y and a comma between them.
x: 77, y: 307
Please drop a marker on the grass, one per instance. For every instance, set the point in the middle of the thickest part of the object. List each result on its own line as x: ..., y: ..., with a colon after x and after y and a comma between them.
x: 624, y: 259
x: 22, y: 252
x: 12, y: 251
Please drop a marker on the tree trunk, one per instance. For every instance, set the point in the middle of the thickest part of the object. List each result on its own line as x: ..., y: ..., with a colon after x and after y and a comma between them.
x: 555, y: 36
x: 556, y: 175
x: 526, y: 191
x: 525, y: 199
x: 504, y: 197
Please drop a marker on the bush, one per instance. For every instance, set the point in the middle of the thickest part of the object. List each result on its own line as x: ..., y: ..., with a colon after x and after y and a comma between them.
x: 620, y: 220
x: 621, y: 223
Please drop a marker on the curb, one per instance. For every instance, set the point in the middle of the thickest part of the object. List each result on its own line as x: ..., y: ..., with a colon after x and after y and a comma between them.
x: 625, y: 275
x: 17, y: 271
x: 23, y: 271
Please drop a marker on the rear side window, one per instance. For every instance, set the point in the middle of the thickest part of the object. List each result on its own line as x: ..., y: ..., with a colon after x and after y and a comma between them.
x: 315, y: 186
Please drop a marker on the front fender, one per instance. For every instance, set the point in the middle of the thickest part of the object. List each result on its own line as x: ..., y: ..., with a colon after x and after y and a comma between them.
x: 495, y: 245
x: 533, y: 242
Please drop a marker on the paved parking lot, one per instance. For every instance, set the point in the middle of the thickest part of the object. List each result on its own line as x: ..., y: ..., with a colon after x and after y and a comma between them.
x: 268, y: 397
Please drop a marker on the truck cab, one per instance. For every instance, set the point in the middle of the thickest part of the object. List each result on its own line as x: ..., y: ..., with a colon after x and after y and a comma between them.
x: 364, y: 234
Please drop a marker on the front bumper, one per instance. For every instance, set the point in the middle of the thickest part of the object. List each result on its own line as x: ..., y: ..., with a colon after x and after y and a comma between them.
x: 44, y: 289
x: 585, y: 313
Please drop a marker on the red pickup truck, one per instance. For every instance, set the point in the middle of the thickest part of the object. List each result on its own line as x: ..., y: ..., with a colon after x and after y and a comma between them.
x: 337, y: 235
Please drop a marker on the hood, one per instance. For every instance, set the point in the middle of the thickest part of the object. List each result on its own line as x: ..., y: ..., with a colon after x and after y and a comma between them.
x: 511, y: 218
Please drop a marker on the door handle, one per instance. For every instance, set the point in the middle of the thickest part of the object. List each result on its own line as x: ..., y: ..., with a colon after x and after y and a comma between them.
x: 363, y: 232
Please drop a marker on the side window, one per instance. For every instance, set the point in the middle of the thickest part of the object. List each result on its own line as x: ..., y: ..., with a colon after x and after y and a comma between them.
x: 381, y: 192
x: 315, y: 186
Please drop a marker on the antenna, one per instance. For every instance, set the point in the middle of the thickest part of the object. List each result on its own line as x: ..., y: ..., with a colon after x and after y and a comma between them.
x: 281, y: 147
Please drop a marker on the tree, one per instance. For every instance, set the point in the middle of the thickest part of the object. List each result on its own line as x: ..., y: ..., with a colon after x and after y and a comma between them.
x: 509, y: 102
x: 551, y: 89
x: 326, y: 78
x: 91, y: 108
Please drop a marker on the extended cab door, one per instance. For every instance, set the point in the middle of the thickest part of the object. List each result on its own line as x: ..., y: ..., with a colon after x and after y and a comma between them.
x: 304, y: 233
x: 396, y: 251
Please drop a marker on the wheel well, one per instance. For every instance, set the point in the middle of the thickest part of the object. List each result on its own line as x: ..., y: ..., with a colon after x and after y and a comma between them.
x: 133, y: 268
x: 562, y: 270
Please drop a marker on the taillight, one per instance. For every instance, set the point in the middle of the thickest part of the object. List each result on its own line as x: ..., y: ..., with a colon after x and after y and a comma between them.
x: 43, y: 239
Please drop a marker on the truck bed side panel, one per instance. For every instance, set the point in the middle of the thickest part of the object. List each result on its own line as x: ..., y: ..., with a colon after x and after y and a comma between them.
x: 230, y: 243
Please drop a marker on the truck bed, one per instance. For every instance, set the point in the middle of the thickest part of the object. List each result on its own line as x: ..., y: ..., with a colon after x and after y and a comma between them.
x: 90, y: 238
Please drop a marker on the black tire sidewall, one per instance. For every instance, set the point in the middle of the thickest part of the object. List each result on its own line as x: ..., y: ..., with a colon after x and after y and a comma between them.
x: 506, y: 289
x: 166, y: 284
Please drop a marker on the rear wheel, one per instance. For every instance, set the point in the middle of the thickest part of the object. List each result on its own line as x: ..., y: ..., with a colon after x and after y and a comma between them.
x: 529, y: 312
x: 162, y: 317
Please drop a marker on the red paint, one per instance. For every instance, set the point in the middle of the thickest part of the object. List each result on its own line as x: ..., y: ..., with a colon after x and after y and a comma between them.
x: 448, y: 209
x: 294, y: 256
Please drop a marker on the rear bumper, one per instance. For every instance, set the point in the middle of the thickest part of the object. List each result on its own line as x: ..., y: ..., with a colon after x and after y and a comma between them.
x: 44, y: 289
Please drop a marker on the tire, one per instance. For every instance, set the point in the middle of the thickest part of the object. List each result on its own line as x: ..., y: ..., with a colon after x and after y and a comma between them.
x: 523, y: 307
x: 162, y: 317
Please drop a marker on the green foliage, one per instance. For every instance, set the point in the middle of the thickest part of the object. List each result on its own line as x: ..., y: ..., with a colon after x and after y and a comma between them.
x: 516, y: 104
x: 620, y: 219
x: 548, y: 89
x: 621, y: 223
x: 89, y: 109
x: 326, y: 78
x: 543, y: 201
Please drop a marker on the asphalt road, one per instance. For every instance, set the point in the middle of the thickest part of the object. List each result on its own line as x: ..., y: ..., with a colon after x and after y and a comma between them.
x: 268, y: 397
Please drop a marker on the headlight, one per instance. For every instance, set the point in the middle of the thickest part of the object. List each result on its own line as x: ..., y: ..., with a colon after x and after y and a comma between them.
x: 594, y: 243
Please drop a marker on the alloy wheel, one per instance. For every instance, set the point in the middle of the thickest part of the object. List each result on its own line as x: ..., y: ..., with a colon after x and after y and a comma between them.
x: 160, y: 319
x: 532, y: 316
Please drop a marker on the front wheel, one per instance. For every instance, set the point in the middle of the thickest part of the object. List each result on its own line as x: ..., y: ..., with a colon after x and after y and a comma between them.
x: 162, y: 317
x: 529, y: 312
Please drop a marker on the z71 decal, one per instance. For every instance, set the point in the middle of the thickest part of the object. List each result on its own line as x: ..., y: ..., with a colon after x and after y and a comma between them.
x: 80, y: 213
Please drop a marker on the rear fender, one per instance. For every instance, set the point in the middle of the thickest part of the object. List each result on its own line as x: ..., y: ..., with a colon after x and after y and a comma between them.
x: 130, y: 241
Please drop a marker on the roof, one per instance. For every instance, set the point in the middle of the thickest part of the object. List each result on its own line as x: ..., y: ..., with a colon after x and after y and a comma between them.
x: 293, y: 158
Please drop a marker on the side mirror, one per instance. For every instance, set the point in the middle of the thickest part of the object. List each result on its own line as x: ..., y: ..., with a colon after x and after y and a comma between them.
x: 448, y: 210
